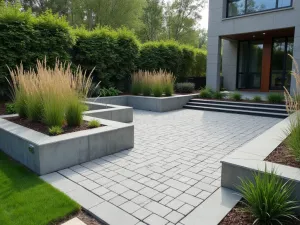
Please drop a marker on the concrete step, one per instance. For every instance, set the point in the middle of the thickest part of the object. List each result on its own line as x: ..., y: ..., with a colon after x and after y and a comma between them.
x: 238, y: 111
x: 239, y: 107
x: 252, y: 104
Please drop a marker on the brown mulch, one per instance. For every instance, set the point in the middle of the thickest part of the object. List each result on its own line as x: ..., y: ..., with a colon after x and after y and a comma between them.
x: 2, y: 108
x: 83, y: 216
x: 43, y: 128
x: 282, y: 155
x: 237, y: 216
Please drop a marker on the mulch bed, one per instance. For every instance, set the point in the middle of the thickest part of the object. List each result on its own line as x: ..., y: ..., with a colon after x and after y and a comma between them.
x: 282, y: 155
x: 83, y: 216
x: 42, y: 128
x: 238, y: 216
x: 2, y: 108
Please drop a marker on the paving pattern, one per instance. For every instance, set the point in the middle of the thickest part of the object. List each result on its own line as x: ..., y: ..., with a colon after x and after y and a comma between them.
x: 173, y: 168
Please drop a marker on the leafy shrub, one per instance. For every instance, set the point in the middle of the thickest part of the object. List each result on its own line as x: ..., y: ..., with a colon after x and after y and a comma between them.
x: 206, y: 93
x: 293, y: 141
x: 185, y: 87
x: 55, y: 130
x: 113, y: 54
x: 94, y: 124
x: 26, y: 38
x: 257, y: 98
x: 218, y: 95
x: 10, y: 108
x: 268, y: 198
x: 235, y: 96
x: 199, y: 67
x: 74, y: 112
x: 275, y: 98
x: 103, y: 92
x: 55, y: 93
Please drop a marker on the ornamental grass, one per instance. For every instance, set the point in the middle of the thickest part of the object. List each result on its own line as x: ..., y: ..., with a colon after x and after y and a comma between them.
x: 50, y: 95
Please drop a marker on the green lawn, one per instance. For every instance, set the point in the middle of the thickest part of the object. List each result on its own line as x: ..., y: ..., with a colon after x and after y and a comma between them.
x: 27, y: 200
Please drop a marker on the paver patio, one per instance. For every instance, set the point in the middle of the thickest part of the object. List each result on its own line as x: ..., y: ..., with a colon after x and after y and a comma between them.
x: 173, y: 168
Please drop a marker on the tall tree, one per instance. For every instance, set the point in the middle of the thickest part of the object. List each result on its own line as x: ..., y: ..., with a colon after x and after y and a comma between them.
x: 152, y: 20
x: 182, y: 18
x: 203, y: 38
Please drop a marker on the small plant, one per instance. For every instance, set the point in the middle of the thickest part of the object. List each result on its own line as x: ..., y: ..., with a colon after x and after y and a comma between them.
x: 55, y: 130
x: 218, y: 95
x: 257, y: 98
x: 268, y: 198
x: 185, y: 87
x: 292, y: 142
x: 103, y: 92
x: 94, y: 124
x: 275, y: 98
x: 10, y: 108
x: 235, y: 96
x: 206, y: 93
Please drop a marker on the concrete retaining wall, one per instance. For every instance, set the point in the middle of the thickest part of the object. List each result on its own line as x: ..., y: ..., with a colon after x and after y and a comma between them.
x: 162, y: 104
x: 44, y: 154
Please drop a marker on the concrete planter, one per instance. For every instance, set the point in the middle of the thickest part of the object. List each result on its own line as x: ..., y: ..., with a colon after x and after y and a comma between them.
x: 117, y: 113
x: 44, y: 154
x: 162, y: 104
x: 249, y: 159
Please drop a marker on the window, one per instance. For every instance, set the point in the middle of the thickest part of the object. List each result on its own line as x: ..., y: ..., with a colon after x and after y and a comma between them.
x: 241, y: 7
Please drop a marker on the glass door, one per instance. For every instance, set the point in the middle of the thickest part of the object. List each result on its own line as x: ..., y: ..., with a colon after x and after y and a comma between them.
x: 281, y: 63
x: 249, y: 64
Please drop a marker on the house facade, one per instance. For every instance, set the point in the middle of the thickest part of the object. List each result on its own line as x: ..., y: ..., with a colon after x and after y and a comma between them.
x: 249, y: 42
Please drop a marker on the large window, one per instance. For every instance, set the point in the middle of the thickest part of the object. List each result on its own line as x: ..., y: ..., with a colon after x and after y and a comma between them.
x: 241, y: 7
x: 281, y: 63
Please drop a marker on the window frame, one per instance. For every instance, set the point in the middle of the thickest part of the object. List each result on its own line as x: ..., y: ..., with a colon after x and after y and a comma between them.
x: 249, y: 13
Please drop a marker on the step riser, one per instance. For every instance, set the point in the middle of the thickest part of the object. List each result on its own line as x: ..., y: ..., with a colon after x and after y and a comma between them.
x: 244, y: 113
x: 238, y: 104
x: 258, y: 109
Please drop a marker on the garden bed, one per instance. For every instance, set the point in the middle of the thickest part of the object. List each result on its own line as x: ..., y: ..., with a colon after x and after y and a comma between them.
x: 44, y: 154
x: 43, y: 128
x: 282, y: 155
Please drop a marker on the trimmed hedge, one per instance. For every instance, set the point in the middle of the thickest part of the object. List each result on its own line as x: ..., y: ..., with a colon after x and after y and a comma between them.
x: 115, y: 54
x: 25, y: 38
x: 182, y: 61
x: 112, y: 53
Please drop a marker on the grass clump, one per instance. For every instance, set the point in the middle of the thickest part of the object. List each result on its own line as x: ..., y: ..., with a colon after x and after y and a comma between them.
x: 235, y: 96
x: 257, y: 98
x: 10, y: 108
x: 292, y: 142
x: 275, y: 98
x: 268, y: 198
x: 206, y: 93
x: 186, y: 87
x: 55, y: 130
x: 50, y: 95
x: 26, y: 199
x: 94, y: 124
x: 218, y: 95
x: 154, y: 83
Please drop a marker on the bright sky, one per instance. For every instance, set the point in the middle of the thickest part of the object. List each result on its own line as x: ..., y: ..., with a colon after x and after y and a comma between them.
x: 204, y: 21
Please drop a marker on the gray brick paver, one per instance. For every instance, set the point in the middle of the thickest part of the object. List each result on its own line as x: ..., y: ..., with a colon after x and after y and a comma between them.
x: 175, y: 165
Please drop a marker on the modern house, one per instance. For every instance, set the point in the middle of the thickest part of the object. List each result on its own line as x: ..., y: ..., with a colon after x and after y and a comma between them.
x: 249, y: 42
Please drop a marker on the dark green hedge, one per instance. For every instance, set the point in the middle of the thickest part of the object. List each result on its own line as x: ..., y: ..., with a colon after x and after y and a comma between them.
x: 182, y: 61
x: 25, y: 38
x: 112, y: 53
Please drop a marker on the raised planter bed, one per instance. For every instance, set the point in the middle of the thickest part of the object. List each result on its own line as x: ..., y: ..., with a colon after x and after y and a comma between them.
x: 44, y: 154
x: 162, y: 104
x: 114, y: 112
x: 255, y: 157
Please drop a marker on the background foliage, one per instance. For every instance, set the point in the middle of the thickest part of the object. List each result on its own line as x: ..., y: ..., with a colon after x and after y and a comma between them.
x: 114, y: 53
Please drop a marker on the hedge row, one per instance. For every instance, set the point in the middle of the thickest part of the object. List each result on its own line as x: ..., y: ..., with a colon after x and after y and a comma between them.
x: 114, y: 54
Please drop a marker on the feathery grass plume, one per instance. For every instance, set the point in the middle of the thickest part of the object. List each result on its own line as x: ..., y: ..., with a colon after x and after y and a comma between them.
x: 292, y: 100
x: 156, y: 83
x: 46, y: 93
